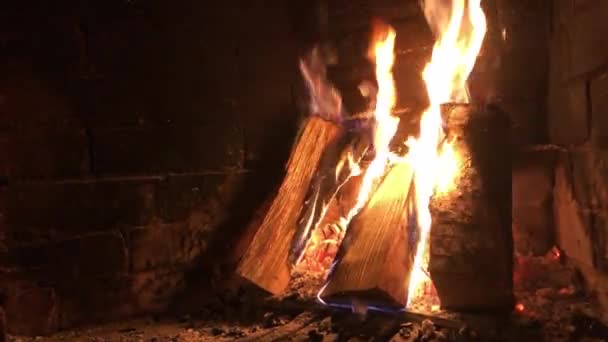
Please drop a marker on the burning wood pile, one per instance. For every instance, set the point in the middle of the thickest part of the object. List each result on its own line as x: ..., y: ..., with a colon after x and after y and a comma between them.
x: 396, y: 224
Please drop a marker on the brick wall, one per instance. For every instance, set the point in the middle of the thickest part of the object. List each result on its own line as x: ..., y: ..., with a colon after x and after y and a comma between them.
x: 578, y: 102
x: 128, y: 131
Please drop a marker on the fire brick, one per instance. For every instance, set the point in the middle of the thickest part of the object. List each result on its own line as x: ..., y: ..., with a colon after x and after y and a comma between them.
x: 61, y: 209
x: 588, y: 29
x: 166, y: 148
x: 533, y: 177
x: 155, y: 289
x: 44, y: 152
x: 599, y: 110
x: 569, y: 119
x: 572, y: 222
x: 93, y: 254
x: 30, y: 309
x: 167, y: 245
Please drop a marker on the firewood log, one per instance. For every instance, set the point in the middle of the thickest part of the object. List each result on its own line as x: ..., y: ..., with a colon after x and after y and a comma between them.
x: 266, y: 261
x: 374, y: 263
x: 471, y: 247
x: 334, y: 170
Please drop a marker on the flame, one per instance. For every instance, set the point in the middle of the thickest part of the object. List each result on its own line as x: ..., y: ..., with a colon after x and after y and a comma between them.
x: 386, y: 123
x: 460, y: 27
x: 382, y: 53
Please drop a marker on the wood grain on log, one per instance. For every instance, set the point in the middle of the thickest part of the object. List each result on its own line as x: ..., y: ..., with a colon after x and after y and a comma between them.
x: 375, y: 259
x: 471, y: 252
x: 265, y: 262
x: 335, y: 168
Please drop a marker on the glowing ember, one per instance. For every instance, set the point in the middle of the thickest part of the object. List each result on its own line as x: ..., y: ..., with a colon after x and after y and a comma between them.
x: 519, y: 307
x: 555, y: 253
x: 435, y: 162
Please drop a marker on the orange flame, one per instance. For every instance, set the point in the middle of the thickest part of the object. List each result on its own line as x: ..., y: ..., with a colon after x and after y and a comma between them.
x: 436, y: 164
x: 386, y: 123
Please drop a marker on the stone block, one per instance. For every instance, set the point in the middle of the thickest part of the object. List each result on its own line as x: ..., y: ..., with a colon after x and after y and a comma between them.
x: 533, y: 229
x: 572, y: 222
x: 41, y: 152
x: 589, y: 184
x: 532, y: 197
x: 267, y: 82
x: 599, y: 110
x: 193, y: 62
x: 523, y: 25
x: 180, y: 195
x: 588, y: 29
x: 153, y: 291
x: 27, y: 99
x: 568, y: 116
x: 31, y: 309
x: 167, y: 149
x: 91, y: 255
x: 516, y: 80
x: 533, y: 177
x: 54, y: 210
x: 160, y: 246
x: 590, y: 170
x: 528, y: 119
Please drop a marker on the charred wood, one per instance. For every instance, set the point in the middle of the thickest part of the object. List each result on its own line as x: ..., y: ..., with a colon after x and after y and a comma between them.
x: 471, y: 250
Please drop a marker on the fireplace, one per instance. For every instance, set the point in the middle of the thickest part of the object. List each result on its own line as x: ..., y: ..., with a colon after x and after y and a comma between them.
x: 254, y: 171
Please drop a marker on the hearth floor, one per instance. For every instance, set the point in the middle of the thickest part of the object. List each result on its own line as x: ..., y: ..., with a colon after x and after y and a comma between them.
x: 562, y: 320
x: 551, y: 306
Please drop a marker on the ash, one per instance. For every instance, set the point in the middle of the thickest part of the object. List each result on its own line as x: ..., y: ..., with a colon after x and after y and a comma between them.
x: 551, y: 306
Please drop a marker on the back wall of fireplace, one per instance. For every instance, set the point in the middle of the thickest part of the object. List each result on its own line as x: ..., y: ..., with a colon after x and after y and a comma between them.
x: 139, y: 137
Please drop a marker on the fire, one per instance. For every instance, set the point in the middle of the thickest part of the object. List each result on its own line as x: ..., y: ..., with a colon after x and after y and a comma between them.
x: 386, y: 123
x: 459, y: 29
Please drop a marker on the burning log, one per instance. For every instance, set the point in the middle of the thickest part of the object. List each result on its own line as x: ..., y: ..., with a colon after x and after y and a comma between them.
x: 265, y: 262
x: 374, y: 262
x: 340, y: 161
x: 471, y: 247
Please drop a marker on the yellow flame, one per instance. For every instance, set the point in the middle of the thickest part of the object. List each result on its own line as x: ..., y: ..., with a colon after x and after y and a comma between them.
x: 459, y: 37
x: 386, y: 123
x: 385, y: 127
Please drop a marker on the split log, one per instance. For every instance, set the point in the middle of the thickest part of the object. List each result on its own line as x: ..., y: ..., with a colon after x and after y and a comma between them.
x: 471, y: 250
x: 265, y: 263
x: 375, y: 259
x: 334, y: 170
